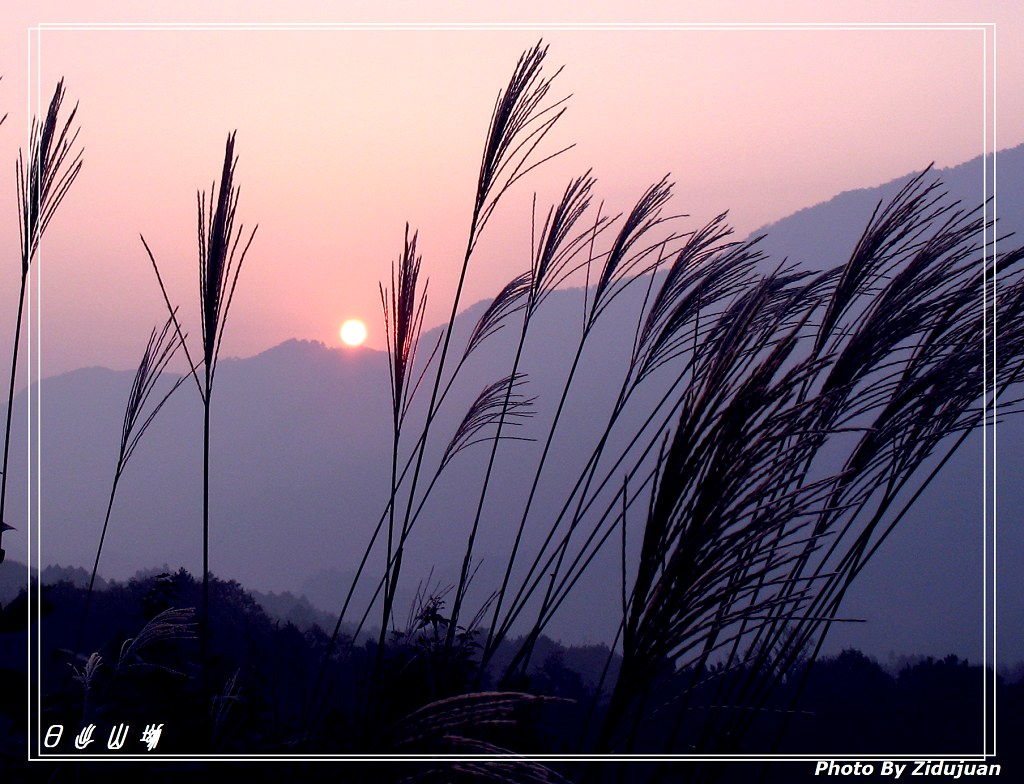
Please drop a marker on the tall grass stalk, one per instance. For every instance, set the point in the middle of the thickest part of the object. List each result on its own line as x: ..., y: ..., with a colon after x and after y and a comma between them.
x: 43, y: 182
x: 403, y: 321
x: 221, y: 254
x: 159, y: 351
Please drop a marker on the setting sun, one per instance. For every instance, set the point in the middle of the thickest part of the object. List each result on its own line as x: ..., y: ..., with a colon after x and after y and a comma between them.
x: 353, y: 332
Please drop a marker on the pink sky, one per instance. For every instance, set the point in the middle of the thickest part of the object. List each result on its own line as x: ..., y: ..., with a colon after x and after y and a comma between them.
x: 346, y: 134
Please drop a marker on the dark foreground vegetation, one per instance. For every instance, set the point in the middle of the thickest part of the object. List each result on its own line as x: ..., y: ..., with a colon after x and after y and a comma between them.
x: 146, y: 664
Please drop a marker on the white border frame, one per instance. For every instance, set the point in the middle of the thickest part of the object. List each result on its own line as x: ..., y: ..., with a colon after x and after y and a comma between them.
x: 34, y: 319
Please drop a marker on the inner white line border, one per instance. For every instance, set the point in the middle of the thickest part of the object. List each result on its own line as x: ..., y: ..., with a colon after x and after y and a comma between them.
x: 988, y: 422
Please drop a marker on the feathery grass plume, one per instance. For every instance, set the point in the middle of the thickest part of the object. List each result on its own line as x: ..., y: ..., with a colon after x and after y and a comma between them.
x: 51, y: 170
x: 889, y: 234
x: 698, y: 447
x: 43, y: 182
x: 449, y: 724
x: 510, y: 300
x: 218, y: 259
x: 705, y: 271
x: 160, y: 349
x: 403, y: 322
x: 85, y: 678
x: 556, y: 248
x: 887, y: 250
x: 808, y: 296
x: 490, y: 406
x: 171, y: 624
x: 620, y: 262
x: 602, y: 529
x: 797, y: 311
x: 221, y: 255
x: 737, y: 263
x: 904, y: 329
x: 518, y: 125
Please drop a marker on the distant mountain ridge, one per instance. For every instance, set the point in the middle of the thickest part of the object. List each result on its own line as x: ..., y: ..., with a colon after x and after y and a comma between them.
x: 813, y: 235
x: 301, y: 466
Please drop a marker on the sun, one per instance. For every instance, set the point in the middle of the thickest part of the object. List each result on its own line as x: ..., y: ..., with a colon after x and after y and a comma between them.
x: 353, y: 332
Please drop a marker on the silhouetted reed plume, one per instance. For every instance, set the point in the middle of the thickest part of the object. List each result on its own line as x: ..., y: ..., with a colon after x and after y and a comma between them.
x: 43, y: 182
x: 221, y: 254
x: 160, y: 349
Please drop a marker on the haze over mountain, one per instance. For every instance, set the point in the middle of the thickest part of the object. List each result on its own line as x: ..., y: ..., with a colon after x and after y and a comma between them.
x: 301, y: 464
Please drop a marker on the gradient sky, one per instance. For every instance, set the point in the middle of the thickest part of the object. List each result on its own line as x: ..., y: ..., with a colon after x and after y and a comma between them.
x: 346, y: 134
